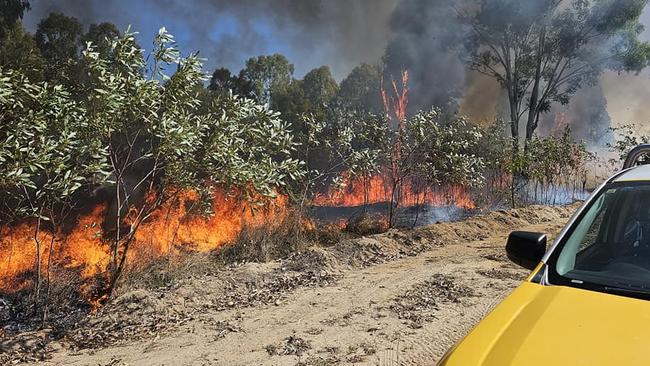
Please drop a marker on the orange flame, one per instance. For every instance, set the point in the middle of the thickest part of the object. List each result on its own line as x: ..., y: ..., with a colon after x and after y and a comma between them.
x: 395, y: 105
x: 377, y: 189
x: 171, y: 229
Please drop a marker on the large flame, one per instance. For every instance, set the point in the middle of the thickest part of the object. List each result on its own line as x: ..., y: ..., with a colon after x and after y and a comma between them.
x: 377, y: 189
x: 171, y: 229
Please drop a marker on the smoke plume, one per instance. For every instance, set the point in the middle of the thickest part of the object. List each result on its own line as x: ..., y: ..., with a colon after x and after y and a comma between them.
x: 338, y: 33
x: 423, y: 33
x: 422, y: 36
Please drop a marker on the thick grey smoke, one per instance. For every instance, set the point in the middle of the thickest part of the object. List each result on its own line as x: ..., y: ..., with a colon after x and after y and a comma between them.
x: 586, y: 115
x: 424, y: 34
x: 338, y: 33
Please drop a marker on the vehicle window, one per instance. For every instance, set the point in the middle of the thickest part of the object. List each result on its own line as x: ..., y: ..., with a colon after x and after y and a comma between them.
x: 591, y: 236
x: 610, y: 244
x: 585, y: 235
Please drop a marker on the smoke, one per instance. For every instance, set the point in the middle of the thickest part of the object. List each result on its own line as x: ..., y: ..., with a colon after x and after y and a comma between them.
x: 423, y: 35
x: 338, y: 33
x: 587, y: 116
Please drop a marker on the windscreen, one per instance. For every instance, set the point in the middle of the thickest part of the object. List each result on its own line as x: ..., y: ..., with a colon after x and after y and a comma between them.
x: 610, y: 244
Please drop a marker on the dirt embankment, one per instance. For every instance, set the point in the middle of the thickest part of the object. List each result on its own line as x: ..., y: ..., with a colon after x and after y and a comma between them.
x: 399, y: 298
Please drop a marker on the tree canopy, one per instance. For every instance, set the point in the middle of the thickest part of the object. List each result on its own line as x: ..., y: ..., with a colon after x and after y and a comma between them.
x: 543, y: 51
x: 223, y: 82
x: 10, y: 12
x: 267, y: 74
x: 361, y: 89
x: 58, y: 37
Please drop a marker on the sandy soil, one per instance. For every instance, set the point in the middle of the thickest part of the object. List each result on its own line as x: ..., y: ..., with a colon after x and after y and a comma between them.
x: 399, y: 298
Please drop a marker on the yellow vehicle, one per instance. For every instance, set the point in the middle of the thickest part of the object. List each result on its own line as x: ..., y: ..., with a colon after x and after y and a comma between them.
x: 587, y: 299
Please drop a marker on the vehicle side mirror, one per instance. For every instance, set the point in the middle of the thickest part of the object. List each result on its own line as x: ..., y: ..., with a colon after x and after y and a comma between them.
x: 526, y: 248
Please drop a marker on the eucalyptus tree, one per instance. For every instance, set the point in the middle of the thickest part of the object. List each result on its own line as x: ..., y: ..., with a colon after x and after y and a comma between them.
x: 49, y: 154
x: 161, y: 141
x: 543, y: 51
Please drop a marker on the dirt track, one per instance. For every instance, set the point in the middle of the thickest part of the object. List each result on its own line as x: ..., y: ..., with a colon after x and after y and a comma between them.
x: 402, y: 299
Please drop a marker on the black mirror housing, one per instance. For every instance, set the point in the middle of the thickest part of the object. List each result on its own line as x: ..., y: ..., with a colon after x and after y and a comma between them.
x: 526, y: 248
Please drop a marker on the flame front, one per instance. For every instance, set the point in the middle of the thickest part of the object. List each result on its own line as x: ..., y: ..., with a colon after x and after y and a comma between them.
x: 378, y: 188
x: 171, y: 229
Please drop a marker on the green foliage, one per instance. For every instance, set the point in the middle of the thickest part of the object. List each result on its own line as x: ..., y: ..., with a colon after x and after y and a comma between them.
x: 551, y: 161
x: 10, y: 12
x: 543, y: 52
x: 142, y: 128
x: 495, y: 147
x: 268, y: 75
x: 628, y: 137
x: 319, y: 86
x: 18, y: 52
x: 232, y: 141
x: 350, y: 141
x: 305, y: 100
x: 100, y: 35
x: 223, y: 82
x: 244, y: 144
x: 58, y: 37
x: 435, y: 152
x: 359, y: 141
x: 361, y: 89
x: 48, y: 150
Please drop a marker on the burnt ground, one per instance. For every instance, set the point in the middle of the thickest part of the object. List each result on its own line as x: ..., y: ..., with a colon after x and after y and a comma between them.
x: 398, y: 298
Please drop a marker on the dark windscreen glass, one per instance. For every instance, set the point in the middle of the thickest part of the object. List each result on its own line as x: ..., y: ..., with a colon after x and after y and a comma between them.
x: 610, y: 244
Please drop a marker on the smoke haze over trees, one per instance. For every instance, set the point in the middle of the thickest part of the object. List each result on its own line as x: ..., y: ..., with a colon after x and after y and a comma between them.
x: 419, y: 35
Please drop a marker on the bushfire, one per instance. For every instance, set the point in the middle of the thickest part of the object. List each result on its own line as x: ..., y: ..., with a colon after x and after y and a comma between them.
x: 84, y: 249
x: 377, y: 189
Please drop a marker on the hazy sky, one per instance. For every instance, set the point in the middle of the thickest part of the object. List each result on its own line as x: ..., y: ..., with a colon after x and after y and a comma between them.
x: 311, y: 33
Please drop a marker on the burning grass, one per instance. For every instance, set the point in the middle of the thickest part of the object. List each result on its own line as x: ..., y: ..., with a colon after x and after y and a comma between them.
x: 83, y: 249
x: 175, y: 290
x: 377, y: 189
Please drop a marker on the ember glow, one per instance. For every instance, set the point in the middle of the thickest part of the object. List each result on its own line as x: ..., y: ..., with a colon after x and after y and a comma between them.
x: 172, y: 229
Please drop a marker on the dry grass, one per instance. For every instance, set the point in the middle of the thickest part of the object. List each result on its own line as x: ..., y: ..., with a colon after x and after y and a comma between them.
x: 364, y: 225
x: 264, y: 243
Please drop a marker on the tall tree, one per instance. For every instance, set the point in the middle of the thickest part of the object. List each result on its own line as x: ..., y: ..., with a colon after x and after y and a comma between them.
x: 10, y: 12
x: 268, y: 74
x: 543, y: 51
x: 223, y: 81
x: 313, y: 95
x: 361, y: 89
x: 319, y: 86
x: 100, y: 35
x: 17, y: 48
x: 18, y: 52
x: 58, y: 37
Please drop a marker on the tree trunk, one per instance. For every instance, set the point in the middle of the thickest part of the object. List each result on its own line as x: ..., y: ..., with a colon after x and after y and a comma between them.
x: 514, y: 120
x: 534, y: 104
x: 46, y: 304
x: 37, y: 265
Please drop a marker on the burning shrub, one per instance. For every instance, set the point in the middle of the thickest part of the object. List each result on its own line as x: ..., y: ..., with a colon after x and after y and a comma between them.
x: 174, y: 146
x: 427, y: 160
x: 174, y: 170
